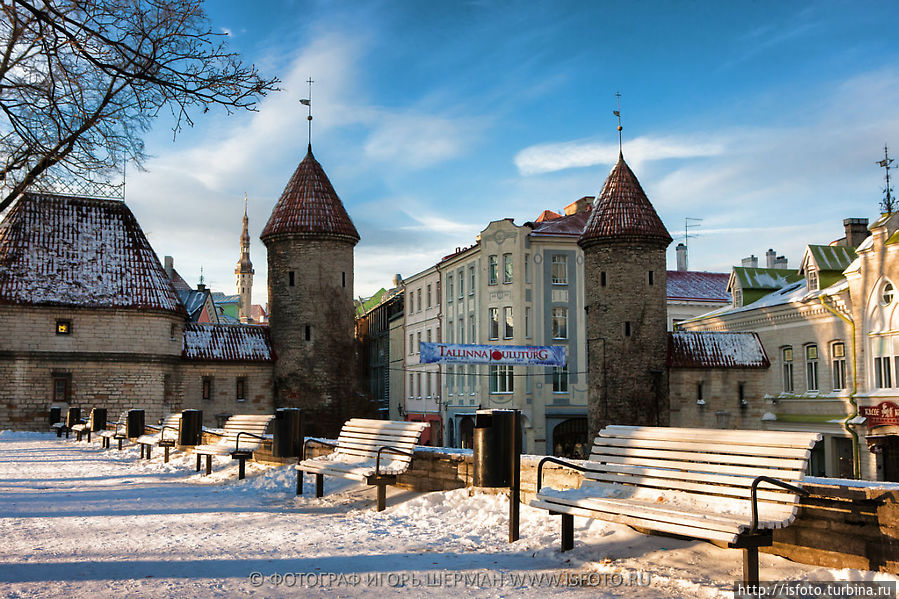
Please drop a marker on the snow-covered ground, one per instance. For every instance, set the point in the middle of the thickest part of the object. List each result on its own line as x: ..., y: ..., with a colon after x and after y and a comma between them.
x: 77, y: 520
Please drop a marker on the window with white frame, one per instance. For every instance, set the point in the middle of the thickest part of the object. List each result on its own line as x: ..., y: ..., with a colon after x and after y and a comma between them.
x: 418, y: 342
x: 883, y: 375
x: 560, y: 269
x: 449, y: 331
x: 560, y: 379
x: 560, y: 323
x: 429, y: 335
x: 527, y: 322
x: 501, y: 379
x: 787, y: 354
x: 428, y: 385
x: 493, y: 322
x: 472, y: 325
x: 450, y: 379
x: 811, y: 278
x: 471, y: 280
x: 811, y: 367
x: 418, y: 303
x: 429, y: 296
x: 492, y: 267
x: 527, y: 268
x: 411, y: 344
x: 418, y: 381
x: 461, y: 276
x: 507, y: 268
x: 449, y: 288
x: 838, y: 365
x: 461, y: 330
x: 411, y: 385
x: 507, y: 322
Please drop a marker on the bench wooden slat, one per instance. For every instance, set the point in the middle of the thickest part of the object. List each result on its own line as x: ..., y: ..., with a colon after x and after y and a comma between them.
x: 738, y: 473
x: 682, y: 485
x: 690, y: 446
x: 721, y: 458
x: 370, y: 424
x: 712, y: 436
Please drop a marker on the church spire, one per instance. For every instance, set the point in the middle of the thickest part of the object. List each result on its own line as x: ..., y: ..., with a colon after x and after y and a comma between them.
x: 244, y: 270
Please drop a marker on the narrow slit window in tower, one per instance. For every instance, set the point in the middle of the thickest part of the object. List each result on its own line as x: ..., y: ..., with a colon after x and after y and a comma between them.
x: 343, y: 275
x: 602, y: 278
x: 650, y: 278
x: 290, y: 278
x: 308, y: 332
x: 627, y: 328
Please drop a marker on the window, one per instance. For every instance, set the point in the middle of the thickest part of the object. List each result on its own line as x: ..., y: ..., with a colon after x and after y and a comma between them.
x: 883, y: 378
x: 449, y: 288
x: 811, y: 367
x: 627, y: 328
x: 411, y: 385
x: 411, y: 344
x: 838, y: 354
x: 472, y: 337
x: 472, y: 378
x: 788, y: 369
x: 560, y: 323
x: 62, y: 387
x: 173, y: 332
x: 812, y: 279
x: 207, y: 387
x: 428, y: 385
x: 560, y: 269
x: 429, y: 296
x: 450, y: 379
x: 308, y: 332
x: 699, y: 392
x: 507, y: 268
x: 64, y: 327
x: 738, y: 297
x: 560, y: 379
x: 429, y: 335
x: 491, y: 270
x: 527, y: 268
x: 651, y: 278
x: 418, y: 383
x: 461, y: 330
x: 418, y: 342
x: 527, y: 322
x: 602, y: 279
x: 240, y: 389
x: 886, y: 295
x: 290, y: 278
x: 493, y: 319
x: 418, y: 302
x: 461, y: 277
x: 471, y: 280
x: 343, y: 277
x: 501, y: 379
x: 507, y: 320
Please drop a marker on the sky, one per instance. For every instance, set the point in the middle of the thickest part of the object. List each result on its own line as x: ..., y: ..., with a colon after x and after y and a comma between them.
x: 763, y: 119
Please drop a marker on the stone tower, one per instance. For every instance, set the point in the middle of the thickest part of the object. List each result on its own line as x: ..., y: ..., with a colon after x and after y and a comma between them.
x: 624, y: 245
x: 244, y: 272
x: 310, y: 240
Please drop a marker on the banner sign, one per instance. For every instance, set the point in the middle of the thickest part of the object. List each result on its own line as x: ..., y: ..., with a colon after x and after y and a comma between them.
x: 515, y: 355
x: 886, y: 412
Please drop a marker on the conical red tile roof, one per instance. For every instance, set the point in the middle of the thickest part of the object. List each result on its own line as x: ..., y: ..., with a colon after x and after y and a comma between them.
x: 310, y: 207
x: 622, y: 212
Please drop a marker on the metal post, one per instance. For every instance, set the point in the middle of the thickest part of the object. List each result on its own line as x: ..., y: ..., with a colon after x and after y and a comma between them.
x: 208, y: 463
x: 166, y: 454
x: 198, y: 462
x: 515, y: 476
x: 241, y: 468
x: 567, y: 532
x: 382, y: 497
x: 751, y: 565
x: 319, y: 485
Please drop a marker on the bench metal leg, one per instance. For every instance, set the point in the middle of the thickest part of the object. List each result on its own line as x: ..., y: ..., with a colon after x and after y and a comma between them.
x: 751, y: 565
x: 166, y: 459
x: 88, y: 436
x: 198, y: 462
x: 567, y: 532
x: 382, y: 497
x: 149, y: 447
x: 299, y: 482
x: 241, y: 468
x: 208, y: 463
x: 67, y: 433
x: 120, y: 444
x: 59, y: 432
x: 319, y: 485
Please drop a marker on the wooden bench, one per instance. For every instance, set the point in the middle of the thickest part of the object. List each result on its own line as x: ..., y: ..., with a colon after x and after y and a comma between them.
x: 723, y: 486
x: 165, y: 436
x: 95, y: 422
x: 358, y: 454
x: 119, y: 431
x: 243, y: 434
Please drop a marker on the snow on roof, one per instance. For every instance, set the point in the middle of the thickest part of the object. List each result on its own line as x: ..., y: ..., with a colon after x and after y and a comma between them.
x: 698, y: 286
x: 764, y: 278
x: 701, y: 349
x: 571, y: 225
x: 69, y: 251
x: 227, y: 342
x: 829, y: 257
x: 193, y: 301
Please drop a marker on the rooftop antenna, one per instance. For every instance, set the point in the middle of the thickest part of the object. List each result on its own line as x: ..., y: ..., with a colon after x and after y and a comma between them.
x: 887, y: 203
x: 307, y: 102
x: 690, y: 223
x: 618, y: 114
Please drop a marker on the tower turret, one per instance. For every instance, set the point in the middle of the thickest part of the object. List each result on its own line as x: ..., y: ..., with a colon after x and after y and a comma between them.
x: 624, y: 245
x: 244, y: 271
x: 310, y: 240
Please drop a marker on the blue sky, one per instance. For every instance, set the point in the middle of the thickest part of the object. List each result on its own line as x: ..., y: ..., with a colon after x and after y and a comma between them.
x: 765, y: 119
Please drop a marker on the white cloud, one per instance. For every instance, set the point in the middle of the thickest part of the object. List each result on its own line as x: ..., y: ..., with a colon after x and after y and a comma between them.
x: 550, y: 157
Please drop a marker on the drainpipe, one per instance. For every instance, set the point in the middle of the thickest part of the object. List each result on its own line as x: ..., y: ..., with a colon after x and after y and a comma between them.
x: 856, y: 457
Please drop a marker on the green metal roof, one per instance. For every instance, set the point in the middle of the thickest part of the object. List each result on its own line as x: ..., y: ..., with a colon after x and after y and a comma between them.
x: 764, y: 278
x: 367, y: 304
x: 832, y: 257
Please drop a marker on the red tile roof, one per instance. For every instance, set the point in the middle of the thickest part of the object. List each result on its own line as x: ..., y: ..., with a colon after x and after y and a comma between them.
x: 68, y: 251
x: 623, y: 212
x: 547, y: 215
x: 568, y: 226
x: 227, y: 343
x: 698, y: 286
x: 702, y: 349
x: 310, y: 207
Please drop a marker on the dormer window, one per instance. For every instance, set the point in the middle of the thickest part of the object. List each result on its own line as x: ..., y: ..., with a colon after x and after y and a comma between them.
x: 812, y: 278
x: 738, y: 298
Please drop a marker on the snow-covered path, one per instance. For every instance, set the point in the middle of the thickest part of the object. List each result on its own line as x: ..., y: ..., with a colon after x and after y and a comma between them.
x: 79, y: 520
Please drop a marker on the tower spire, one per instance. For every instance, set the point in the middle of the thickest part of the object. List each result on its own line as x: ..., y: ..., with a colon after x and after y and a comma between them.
x: 618, y: 114
x: 887, y: 203
x: 307, y: 102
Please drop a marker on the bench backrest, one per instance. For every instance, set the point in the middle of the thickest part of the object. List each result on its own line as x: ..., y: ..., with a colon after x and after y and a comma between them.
x: 714, y: 468
x: 170, y: 426
x: 256, y: 424
x: 362, y: 438
x: 121, y: 425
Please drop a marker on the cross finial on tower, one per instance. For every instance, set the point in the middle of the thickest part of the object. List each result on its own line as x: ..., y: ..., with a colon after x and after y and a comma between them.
x: 307, y: 102
x: 618, y: 114
x: 245, y: 204
x: 888, y: 199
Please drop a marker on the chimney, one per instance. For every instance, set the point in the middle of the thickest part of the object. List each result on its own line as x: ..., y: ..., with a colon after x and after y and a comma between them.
x: 770, y: 258
x: 780, y: 262
x: 681, y: 250
x: 751, y: 262
x: 397, y: 280
x: 856, y: 231
x: 169, y: 267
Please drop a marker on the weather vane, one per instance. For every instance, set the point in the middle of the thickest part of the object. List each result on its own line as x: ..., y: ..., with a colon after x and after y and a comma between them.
x: 307, y: 102
x: 618, y: 114
x: 887, y: 202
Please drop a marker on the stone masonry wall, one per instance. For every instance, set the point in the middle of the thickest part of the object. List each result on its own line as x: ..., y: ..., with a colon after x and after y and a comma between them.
x: 223, y: 375
x: 720, y: 392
